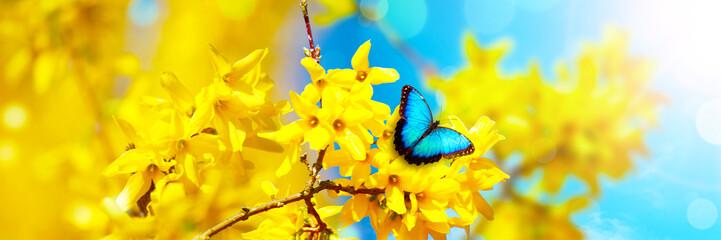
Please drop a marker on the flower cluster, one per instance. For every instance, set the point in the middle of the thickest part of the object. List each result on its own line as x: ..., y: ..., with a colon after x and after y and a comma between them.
x: 197, y: 137
x: 412, y: 200
x: 232, y: 123
x: 587, y: 123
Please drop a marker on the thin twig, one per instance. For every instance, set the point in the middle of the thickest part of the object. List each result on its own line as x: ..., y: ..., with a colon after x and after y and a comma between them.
x: 245, y: 213
x: 314, y: 171
x: 314, y: 51
x: 311, y: 210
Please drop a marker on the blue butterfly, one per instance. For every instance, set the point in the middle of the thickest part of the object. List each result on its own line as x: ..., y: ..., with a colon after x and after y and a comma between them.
x: 420, y: 138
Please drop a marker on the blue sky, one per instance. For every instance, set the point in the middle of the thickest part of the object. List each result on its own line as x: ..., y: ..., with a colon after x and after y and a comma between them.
x: 673, y: 194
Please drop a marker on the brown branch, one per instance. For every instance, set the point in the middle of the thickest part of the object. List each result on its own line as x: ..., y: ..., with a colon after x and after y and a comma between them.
x: 321, y: 226
x: 314, y: 51
x: 314, y: 171
x: 246, y: 212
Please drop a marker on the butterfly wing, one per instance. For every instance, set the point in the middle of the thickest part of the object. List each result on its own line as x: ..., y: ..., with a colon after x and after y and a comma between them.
x: 415, y: 120
x: 439, y: 142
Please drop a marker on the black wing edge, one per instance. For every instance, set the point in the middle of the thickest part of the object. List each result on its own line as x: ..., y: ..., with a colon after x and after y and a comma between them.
x: 422, y: 160
x: 399, y: 140
x: 404, y: 97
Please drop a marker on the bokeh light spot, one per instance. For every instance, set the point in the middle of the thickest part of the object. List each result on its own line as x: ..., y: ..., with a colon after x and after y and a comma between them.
x: 374, y: 9
x: 406, y: 17
x: 708, y: 121
x: 7, y: 153
x: 82, y: 215
x: 143, y: 12
x: 237, y: 9
x: 15, y: 117
x: 701, y: 214
x: 489, y: 16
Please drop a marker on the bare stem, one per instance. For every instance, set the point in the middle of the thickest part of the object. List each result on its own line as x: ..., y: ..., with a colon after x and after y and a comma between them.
x: 246, y: 213
x: 314, y: 51
x: 314, y: 171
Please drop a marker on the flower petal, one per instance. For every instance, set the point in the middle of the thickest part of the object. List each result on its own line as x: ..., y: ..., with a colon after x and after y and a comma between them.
x: 444, y: 187
x: 441, y: 227
x: 316, y: 71
x: 243, y: 66
x: 360, y: 58
x: 287, y: 133
x: 457, y: 124
x: 204, y: 143
x: 221, y: 64
x: 292, y: 153
x: 395, y: 200
x: 410, y: 221
x: 302, y: 106
x: 377, y: 75
x: 329, y: 211
x: 130, y: 162
x: 344, y: 78
x: 360, y: 174
x: 482, y: 206
x: 128, y: 130
x: 334, y: 97
x: 269, y: 188
x: 204, y: 112
x: 311, y: 92
x: 284, y: 168
x: 177, y: 91
x: 137, y: 185
x: 352, y: 143
x: 191, y: 169
x: 319, y: 137
x: 414, y: 203
x: 360, y: 206
x: 432, y: 212
x: 353, y: 116
x: 237, y: 137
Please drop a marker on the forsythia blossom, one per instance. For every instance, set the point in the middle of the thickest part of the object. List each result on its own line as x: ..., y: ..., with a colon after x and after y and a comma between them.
x: 414, y: 198
x: 232, y: 124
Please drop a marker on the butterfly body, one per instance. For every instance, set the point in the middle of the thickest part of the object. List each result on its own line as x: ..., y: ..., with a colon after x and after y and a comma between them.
x: 421, y: 139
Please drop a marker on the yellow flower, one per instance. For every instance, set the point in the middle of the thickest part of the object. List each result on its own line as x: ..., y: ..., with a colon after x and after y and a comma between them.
x: 146, y: 167
x: 346, y: 120
x: 165, y: 156
x: 332, y: 123
x: 358, y: 207
x: 482, y: 134
x: 314, y: 90
x: 357, y: 170
x: 179, y: 94
x: 480, y: 175
x: 432, y: 200
x: 361, y: 72
x: 395, y: 178
x: 386, y: 139
x: 310, y: 127
x: 556, y: 126
x: 360, y: 98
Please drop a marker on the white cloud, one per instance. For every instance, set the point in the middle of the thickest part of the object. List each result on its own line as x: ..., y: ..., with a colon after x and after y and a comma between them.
x: 595, y: 226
